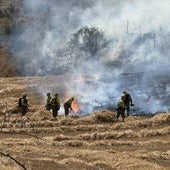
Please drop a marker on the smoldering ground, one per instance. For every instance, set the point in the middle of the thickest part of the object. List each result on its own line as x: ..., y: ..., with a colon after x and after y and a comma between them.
x: 136, y: 57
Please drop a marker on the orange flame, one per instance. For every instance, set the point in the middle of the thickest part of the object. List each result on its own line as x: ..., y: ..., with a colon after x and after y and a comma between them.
x: 75, y: 106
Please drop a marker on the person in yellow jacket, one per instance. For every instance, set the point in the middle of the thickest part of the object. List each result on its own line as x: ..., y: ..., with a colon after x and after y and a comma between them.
x: 55, y: 105
x: 121, y: 108
x: 67, y: 105
x: 48, y: 102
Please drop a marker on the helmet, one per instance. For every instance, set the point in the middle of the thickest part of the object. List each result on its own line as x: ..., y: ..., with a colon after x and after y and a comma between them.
x: 124, y: 92
x: 23, y: 94
x: 123, y: 96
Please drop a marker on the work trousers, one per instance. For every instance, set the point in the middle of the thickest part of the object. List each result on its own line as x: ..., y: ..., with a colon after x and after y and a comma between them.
x: 23, y: 110
x: 48, y: 107
x: 121, y: 111
x: 66, y: 109
x: 127, y: 108
x: 55, y: 111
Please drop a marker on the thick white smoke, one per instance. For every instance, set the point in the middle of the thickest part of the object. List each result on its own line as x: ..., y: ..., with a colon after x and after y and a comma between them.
x: 136, y: 58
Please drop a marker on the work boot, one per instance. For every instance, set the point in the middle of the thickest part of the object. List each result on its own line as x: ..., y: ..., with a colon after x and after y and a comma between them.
x: 53, y: 119
x: 123, y: 120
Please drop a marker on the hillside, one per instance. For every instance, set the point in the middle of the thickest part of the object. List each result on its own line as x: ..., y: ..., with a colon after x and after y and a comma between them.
x: 92, y: 142
x: 8, y: 10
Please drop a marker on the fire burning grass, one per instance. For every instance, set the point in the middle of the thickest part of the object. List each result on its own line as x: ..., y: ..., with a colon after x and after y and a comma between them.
x: 75, y: 107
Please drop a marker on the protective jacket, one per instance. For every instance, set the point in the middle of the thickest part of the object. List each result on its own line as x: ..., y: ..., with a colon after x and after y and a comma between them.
x: 48, y: 100
x: 121, y: 104
x: 128, y: 99
x: 24, y: 102
x: 55, y: 101
x: 68, y: 102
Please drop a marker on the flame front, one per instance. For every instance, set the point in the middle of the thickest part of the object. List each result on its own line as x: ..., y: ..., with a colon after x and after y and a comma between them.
x: 75, y: 106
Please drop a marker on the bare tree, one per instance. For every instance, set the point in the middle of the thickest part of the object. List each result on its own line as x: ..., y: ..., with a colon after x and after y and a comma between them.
x: 89, y: 39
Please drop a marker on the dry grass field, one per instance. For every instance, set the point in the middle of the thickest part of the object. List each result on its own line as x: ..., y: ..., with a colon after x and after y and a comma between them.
x: 79, y: 142
x: 90, y: 142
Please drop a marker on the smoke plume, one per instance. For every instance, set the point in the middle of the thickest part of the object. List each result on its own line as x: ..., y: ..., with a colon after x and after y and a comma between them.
x: 135, y: 59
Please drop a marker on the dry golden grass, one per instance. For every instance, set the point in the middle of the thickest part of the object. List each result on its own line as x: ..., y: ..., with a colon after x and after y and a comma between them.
x: 92, y: 142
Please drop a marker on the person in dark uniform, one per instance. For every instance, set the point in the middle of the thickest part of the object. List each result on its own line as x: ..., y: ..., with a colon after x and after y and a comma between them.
x: 128, y: 102
x: 23, y: 104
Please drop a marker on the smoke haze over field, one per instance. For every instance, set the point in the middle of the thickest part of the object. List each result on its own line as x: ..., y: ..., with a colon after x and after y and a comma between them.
x: 136, y: 58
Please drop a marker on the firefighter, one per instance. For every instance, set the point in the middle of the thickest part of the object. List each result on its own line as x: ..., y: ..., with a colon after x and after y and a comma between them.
x: 55, y: 105
x: 23, y: 104
x: 121, y: 108
x: 128, y: 102
x: 67, y: 105
x: 48, y: 102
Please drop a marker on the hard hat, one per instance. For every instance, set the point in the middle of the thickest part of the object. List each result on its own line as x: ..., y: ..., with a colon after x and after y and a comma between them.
x: 123, y: 96
x: 24, y: 94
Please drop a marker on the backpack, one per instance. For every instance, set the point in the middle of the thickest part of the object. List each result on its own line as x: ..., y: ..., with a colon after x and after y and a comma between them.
x: 20, y: 102
x: 53, y: 102
x: 128, y: 98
